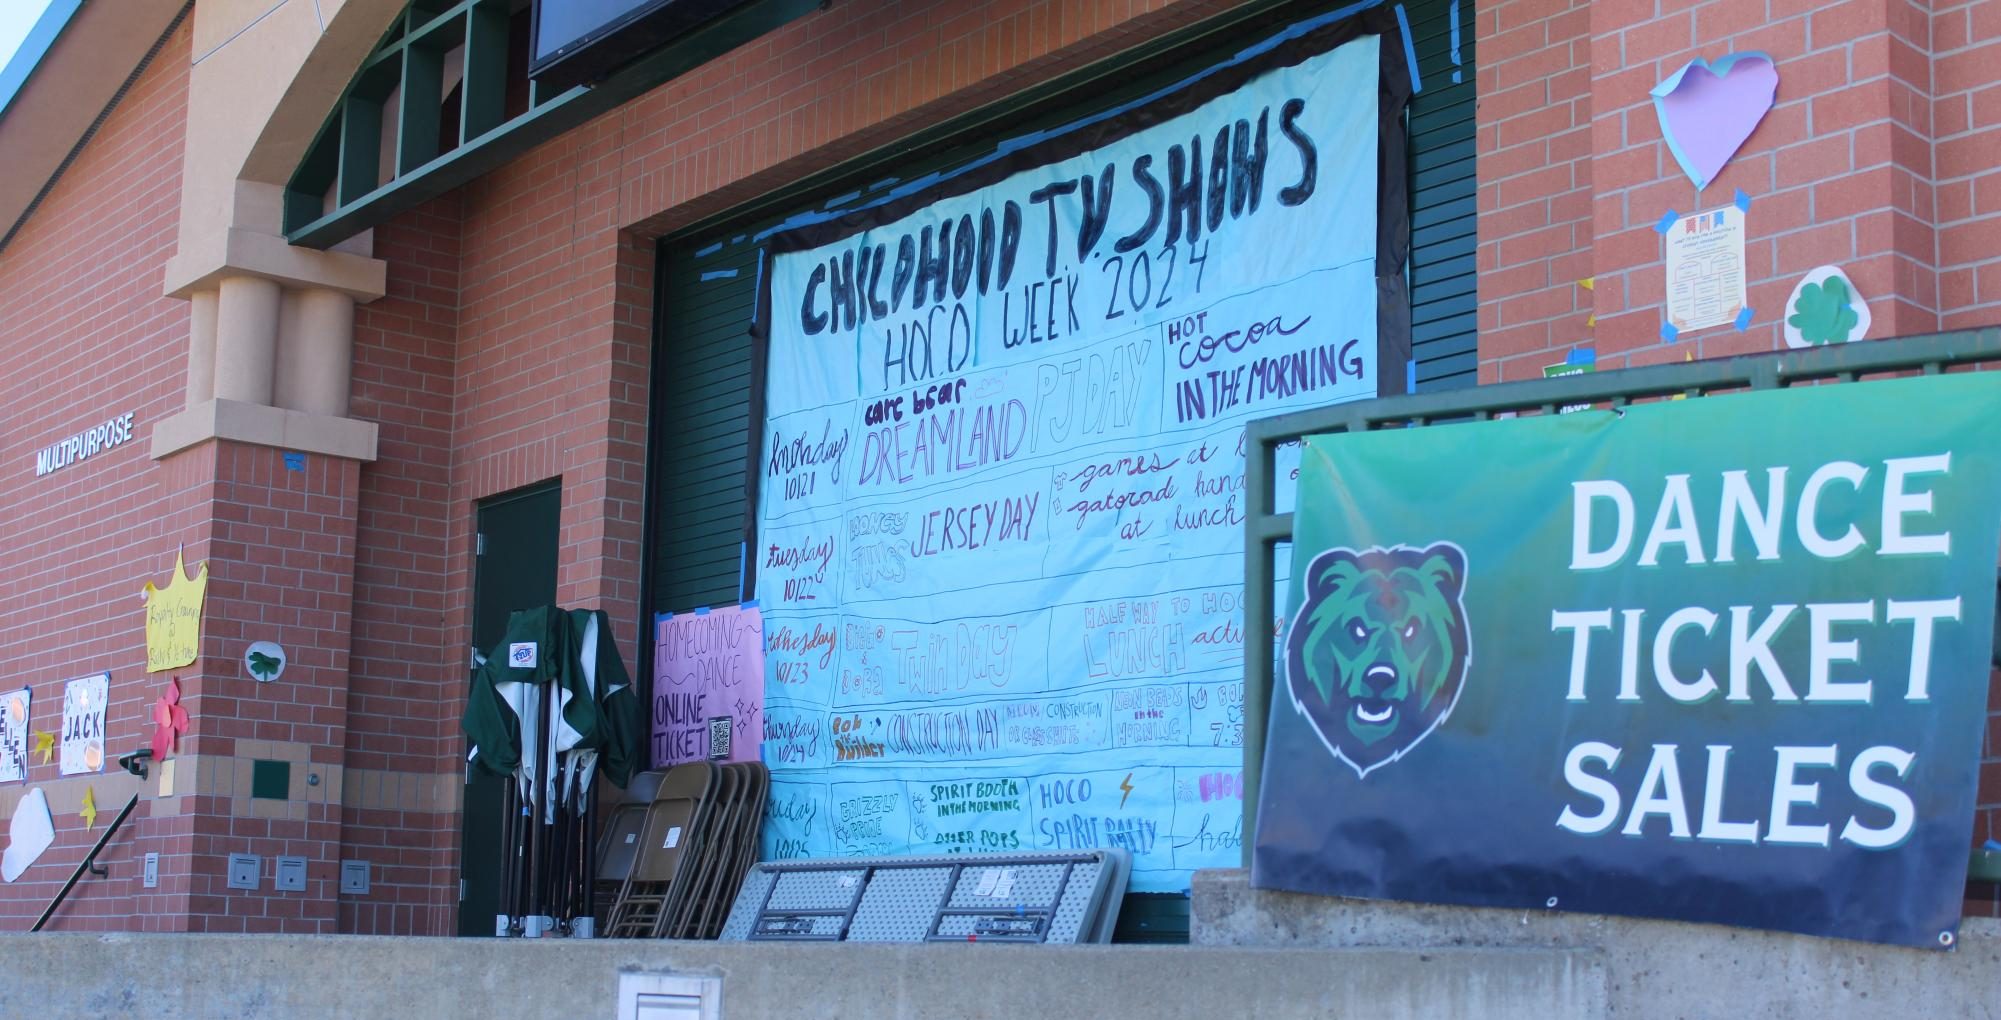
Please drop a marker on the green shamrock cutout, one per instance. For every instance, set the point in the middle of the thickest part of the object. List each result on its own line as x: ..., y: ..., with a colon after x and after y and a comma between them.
x: 263, y: 665
x: 1822, y: 314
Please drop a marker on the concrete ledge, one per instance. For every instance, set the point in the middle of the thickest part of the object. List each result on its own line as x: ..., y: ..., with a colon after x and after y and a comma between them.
x: 265, y: 426
x: 240, y: 252
x: 1664, y: 969
x: 167, y: 977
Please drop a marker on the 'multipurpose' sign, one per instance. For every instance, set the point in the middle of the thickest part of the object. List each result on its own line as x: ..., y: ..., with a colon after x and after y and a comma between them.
x: 1719, y: 660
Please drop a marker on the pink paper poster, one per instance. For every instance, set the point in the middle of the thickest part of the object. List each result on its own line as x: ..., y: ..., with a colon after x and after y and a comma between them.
x: 708, y: 685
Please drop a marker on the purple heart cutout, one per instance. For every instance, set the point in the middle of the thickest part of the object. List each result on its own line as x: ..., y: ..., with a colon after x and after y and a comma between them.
x: 1707, y: 111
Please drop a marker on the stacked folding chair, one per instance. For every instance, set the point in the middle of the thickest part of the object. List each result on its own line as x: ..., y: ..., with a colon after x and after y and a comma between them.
x: 696, y: 840
x: 665, y: 842
x: 728, y: 849
x: 618, y: 842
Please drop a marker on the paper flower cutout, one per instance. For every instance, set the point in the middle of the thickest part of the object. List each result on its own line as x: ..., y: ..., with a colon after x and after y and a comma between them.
x: 89, y: 809
x: 170, y: 721
x: 45, y: 745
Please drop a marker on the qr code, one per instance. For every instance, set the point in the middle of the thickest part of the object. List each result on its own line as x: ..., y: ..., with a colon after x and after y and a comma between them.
x: 719, y: 737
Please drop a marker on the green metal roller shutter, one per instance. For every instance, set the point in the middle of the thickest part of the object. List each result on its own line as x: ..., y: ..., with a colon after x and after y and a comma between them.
x: 701, y: 423
x: 1443, y: 302
x: 708, y: 284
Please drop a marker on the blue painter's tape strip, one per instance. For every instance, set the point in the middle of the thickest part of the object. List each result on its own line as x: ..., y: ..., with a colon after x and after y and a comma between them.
x: 702, y: 253
x: 1743, y: 201
x: 752, y: 604
x: 1667, y: 222
x: 719, y: 274
x: 1669, y: 333
x: 759, y: 284
x: 1454, y: 11
x: 742, y: 567
x: 1410, y: 376
x: 1581, y: 356
x: 839, y: 200
x: 662, y: 617
x: 1744, y: 320
x: 1409, y: 52
x: 295, y: 461
x: 701, y: 610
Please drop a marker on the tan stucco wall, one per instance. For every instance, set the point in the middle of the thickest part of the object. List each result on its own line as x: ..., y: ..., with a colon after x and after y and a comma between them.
x: 264, y: 76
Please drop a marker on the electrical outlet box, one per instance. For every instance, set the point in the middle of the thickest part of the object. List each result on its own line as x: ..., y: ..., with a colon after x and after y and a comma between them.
x: 245, y: 871
x: 354, y: 878
x: 291, y: 875
x: 151, y: 879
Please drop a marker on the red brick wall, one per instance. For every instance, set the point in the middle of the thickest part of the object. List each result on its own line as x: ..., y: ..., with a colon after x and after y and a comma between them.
x: 1965, y: 117
x: 1535, y: 138
x: 1882, y: 154
x: 513, y: 347
x: 520, y: 313
x: 85, y: 336
x: 1879, y: 155
x: 555, y: 253
x: 408, y: 668
x: 281, y: 569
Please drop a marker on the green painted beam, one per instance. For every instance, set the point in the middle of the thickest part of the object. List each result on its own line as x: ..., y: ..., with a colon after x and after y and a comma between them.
x: 488, y: 146
x: 360, y: 148
x: 483, y: 90
x: 417, y: 120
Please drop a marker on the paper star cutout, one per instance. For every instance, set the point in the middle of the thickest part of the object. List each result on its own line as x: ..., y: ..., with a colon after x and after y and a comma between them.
x: 170, y: 721
x: 89, y: 810
x: 45, y: 745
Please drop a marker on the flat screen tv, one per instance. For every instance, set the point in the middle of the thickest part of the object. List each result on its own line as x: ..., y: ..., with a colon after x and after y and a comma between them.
x: 577, y: 42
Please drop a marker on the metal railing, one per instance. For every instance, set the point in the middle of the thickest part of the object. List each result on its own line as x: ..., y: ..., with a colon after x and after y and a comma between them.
x: 136, y: 764
x: 1265, y: 528
x: 89, y: 863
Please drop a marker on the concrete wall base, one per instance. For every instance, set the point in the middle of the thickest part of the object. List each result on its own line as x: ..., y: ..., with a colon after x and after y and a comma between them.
x: 169, y: 977
x: 1663, y: 969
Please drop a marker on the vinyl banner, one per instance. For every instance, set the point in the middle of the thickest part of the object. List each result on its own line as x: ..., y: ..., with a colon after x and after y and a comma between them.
x: 999, y: 523
x: 708, y: 685
x: 1716, y: 660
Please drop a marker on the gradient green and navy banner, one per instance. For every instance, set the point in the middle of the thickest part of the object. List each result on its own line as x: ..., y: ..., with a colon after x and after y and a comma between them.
x: 1719, y: 660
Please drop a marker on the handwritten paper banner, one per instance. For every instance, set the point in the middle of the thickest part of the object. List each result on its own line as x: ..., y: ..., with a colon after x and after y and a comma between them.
x: 1001, y: 507
x: 173, y: 619
x: 708, y: 685
x: 83, y: 724
x: 14, y: 706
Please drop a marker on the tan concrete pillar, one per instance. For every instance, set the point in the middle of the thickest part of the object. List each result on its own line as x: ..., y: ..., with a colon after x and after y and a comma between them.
x: 316, y: 352
x: 246, y: 338
x: 201, y: 347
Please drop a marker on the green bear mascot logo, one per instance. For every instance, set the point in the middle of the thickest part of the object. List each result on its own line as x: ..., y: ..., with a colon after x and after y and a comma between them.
x: 1378, y: 651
